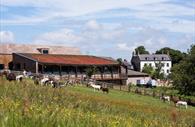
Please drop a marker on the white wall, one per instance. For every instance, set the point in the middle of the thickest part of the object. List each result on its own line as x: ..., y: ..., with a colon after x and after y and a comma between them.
x: 164, y: 68
x: 134, y: 79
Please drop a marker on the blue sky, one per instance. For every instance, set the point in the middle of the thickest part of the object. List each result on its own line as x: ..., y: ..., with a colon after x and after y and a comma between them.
x: 104, y: 28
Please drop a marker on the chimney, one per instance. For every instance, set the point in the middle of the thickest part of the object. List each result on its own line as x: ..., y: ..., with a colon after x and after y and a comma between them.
x: 168, y: 53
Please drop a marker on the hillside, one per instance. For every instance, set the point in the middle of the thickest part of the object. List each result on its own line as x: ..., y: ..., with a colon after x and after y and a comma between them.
x: 27, y: 105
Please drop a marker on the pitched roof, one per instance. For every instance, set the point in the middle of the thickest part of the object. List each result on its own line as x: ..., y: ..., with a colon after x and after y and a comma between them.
x: 136, y: 73
x: 152, y: 57
x: 27, y: 48
x: 69, y: 59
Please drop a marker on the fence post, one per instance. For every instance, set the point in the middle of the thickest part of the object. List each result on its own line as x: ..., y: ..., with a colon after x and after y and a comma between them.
x: 154, y: 94
x: 129, y: 87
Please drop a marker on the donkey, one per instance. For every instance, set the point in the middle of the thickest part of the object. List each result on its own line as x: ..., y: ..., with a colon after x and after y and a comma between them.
x: 105, y: 90
x: 165, y: 98
x: 182, y: 103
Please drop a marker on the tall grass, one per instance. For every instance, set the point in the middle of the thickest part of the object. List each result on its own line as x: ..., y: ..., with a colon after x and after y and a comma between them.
x: 27, y: 105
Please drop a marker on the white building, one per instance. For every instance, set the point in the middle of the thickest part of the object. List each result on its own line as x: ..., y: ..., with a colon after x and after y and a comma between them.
x: 139, y: 61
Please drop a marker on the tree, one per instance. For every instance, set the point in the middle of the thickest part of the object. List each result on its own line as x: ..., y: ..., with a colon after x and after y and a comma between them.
x: 141, y: 50
x: 158, y: 71
x: 90, y: 71
x: 183, y: 74
x: 148, y: 69
x: 120, y: 60
x: 176, y: 55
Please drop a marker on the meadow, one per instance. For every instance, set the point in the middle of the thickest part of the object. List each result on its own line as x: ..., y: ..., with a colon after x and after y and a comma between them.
x: 28, y: 105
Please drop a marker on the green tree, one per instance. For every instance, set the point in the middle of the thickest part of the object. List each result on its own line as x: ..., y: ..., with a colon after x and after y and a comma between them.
x: 141, y: 50
x: 148, y: 69
x: 90, y: 71
x: 120, y: 60
x: 176, y: 55
x: 154, y: 72
x: 183, y: 74
x: 158, y: 71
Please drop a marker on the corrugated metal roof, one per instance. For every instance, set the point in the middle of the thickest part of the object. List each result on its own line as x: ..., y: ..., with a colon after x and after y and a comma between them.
x: 154, y: 57
x: 70, y: 59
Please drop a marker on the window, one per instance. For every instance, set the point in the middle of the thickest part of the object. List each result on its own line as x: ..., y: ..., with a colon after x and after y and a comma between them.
x: 167, y: 71
x: 1, y: 66
x: 45, y: 51
x: 167, y: 64
x: 150, y: 65
x: 162, y: 64
x: 146, y: 58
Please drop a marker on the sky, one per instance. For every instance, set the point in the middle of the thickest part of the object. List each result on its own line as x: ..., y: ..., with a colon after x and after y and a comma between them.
x: 112, y: 28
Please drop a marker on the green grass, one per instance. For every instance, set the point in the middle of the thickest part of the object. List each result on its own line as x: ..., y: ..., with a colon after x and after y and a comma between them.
x: 27, y: 105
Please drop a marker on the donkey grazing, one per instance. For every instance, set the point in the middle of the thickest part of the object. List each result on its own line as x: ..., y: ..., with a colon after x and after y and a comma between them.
x: 182, y: 103
x: 11, y: 77
x: 165, y: 98
x: 96, y: 87
x: 105, y: 90
x: 19, y: 78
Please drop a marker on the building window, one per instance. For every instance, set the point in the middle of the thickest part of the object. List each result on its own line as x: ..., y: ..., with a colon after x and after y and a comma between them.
x: 45, y: 51
x: 167, y: 64
x: 162, y: 64
x: 155, y: 58
x: 1, y: 66
x: 146, y: 58
x: 167, y: 71
x: 150, y: 65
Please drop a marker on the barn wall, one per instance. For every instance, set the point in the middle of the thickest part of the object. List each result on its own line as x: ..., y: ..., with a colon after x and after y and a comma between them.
x: 133, y: 80
x: 5, y: 59
x: 27, y: 64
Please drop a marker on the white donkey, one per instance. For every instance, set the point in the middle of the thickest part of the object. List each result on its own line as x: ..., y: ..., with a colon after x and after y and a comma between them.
x: 165, y: 98
x: 44, y: 80
x: 92, y: 84
x: 182, y: 103
x: 19, y: 77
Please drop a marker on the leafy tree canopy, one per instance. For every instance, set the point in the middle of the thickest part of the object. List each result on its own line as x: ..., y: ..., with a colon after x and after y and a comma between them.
x: 183, y: 74
x: 141, y: 50
x: 176, y: 55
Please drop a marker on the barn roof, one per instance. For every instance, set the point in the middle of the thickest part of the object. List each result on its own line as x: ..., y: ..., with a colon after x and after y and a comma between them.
x: 69, y: 59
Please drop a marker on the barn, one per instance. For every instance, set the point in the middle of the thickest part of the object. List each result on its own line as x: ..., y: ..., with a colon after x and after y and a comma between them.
x: 71, y: 66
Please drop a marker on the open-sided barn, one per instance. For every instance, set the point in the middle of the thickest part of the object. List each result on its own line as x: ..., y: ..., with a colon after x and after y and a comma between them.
x: 71, y: 66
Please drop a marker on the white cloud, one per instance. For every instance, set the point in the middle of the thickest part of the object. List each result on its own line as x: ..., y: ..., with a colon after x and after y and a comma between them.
x: 93, y: 25
x: 123, y: 47
x: 67, y: 8
x: 6, y: 37
x: 60, y: 37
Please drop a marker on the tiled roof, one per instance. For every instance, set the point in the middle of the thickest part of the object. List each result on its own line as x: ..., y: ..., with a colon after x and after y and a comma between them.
x: 154, y: 57
x: 70, y: 59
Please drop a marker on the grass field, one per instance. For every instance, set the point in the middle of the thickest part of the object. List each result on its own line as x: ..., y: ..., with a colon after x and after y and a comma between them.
x: 27, y: 105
